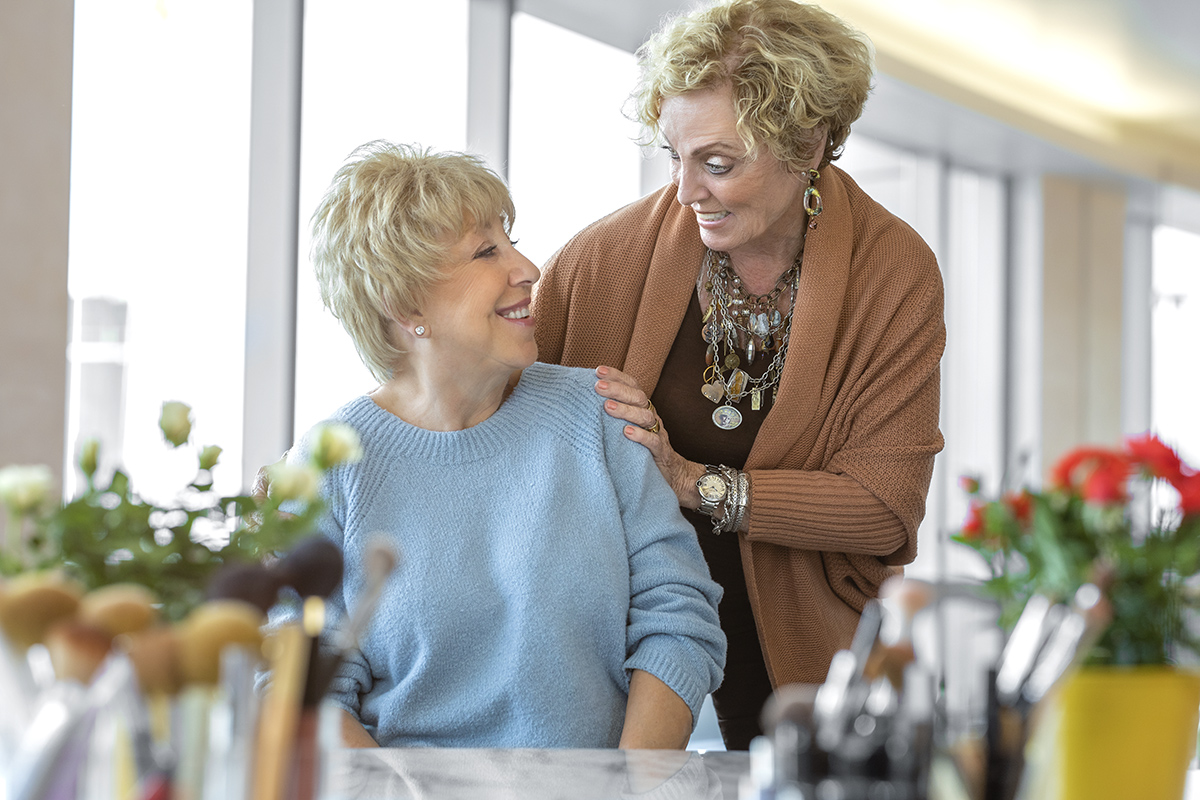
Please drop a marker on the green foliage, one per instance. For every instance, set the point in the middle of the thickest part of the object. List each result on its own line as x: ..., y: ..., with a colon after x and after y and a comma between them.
x: 110, y: 535
x: 1055, y: 541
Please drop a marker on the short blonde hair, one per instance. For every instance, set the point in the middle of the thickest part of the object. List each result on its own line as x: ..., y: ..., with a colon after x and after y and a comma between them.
x: 381, y: 232
x: 793, y: 67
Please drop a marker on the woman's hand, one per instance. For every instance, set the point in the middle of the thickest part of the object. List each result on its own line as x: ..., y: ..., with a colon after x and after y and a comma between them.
x: 625, y: 400
x: 260, y: 491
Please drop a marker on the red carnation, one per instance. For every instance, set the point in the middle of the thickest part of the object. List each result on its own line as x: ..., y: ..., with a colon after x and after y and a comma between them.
x: 1021, y: 505
x: 973, y: 527
x: 1189, y: 494
x: 1107, y: 481
x: 1104, y: 480
x: 1064, y: 470
x: 1158, y: 459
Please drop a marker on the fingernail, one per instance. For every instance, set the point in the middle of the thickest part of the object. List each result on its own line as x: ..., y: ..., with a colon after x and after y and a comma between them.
x: 629, y: 430
x: 611, y: 405
x: 603, y: 385
x: 601, y: 371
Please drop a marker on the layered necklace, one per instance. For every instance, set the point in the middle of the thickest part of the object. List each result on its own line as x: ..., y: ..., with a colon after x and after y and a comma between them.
x: 752, y: 323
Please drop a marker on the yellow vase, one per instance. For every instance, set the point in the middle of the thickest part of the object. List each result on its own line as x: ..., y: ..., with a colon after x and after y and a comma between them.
x: 1127, y: 732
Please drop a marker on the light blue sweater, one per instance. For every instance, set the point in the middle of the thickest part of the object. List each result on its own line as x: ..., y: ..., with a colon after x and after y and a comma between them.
x: 543, y: 557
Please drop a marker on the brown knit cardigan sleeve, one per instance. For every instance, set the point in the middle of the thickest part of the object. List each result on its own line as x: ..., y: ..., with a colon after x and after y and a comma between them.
x: 860, y: 487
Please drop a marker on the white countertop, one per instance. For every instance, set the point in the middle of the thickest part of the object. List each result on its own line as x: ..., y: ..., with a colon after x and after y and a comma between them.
x: 442, y: 774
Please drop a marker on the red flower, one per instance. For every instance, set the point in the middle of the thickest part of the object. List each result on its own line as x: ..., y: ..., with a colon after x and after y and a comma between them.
x: 1189, y: 494
x: 973, y: 528
x: 1104, y: 478
x: 1064, y: 470
x: 1021, y: 506
x: 969, y: 484
x: 1158, y: 459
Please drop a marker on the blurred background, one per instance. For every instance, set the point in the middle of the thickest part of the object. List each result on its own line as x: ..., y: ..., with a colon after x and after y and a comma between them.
x: 159, y: 160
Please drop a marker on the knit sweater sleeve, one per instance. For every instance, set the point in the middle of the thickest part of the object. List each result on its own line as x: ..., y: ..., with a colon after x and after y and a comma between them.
x: 673, y: 631
x: 868, y: 497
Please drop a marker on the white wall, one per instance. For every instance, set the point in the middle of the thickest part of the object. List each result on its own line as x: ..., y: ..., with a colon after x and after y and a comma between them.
x: 35, y: 150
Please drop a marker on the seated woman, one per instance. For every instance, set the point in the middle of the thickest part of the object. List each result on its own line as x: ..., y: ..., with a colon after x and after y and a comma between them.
x: 549, y: 593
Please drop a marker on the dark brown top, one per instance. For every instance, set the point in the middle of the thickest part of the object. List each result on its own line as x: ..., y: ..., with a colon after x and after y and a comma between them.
x: 687, y: 417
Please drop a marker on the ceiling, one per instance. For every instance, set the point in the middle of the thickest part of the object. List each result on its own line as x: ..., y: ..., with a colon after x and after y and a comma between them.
x: 1104, y: 86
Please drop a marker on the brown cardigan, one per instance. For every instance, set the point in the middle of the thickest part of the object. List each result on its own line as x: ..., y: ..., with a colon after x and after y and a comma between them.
x: 842, y: 464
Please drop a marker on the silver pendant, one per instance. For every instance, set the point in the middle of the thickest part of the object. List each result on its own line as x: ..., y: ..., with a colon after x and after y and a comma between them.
x: 726, y: 417
x: 758, y: 324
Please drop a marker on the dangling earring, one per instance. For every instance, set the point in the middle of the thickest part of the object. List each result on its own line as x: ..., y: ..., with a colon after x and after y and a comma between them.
x: 812, y: 198
x: 419, y: 330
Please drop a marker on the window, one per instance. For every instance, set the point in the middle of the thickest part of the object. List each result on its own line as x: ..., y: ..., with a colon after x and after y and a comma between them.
x: 157, y: 269
x: 1175, y: 328
x: 373, y: 69
x: 572, y: 158
x: 961, y: 215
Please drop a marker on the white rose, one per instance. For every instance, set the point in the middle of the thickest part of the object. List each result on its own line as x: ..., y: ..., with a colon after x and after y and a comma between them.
x: 293, y: 481
x: 334, y: 444
x: 24, y: 488
x: 209, y: 456
x: 176, y: 422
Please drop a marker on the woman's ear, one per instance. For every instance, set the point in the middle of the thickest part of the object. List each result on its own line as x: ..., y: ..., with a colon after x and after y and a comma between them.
x: 411, y: 325
x: 405, y: 325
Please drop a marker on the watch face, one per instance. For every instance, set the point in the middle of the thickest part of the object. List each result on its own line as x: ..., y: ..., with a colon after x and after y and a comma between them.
x: 711, y: 487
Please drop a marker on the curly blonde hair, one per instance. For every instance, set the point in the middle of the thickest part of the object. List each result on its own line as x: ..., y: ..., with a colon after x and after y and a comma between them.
x: 381, y: 233
x: 792, y: 66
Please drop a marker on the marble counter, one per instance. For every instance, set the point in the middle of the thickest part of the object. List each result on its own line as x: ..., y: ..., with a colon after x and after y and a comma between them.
x: 436, y: 774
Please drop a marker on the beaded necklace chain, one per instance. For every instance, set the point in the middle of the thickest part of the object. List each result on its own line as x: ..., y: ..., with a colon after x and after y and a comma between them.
x: 733, y: 317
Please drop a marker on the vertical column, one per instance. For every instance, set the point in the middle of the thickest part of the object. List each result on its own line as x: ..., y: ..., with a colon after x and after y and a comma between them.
x: 489, y: 59
x: 1137, y: 310
x: 1024, y: 429
x: 1082, y: 280
x: 36, y: 39
x: 273, y: 232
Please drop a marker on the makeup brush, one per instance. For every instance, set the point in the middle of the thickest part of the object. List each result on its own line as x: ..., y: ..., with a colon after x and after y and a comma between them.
x: 256, y: 584
x: 906, y: 598
x: 379, y: 560
x: 840, y: 698
x: 313, y: 568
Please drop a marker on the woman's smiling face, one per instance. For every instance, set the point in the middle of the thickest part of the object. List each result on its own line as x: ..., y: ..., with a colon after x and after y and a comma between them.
x: 745, y: 204
x: 478, y: 317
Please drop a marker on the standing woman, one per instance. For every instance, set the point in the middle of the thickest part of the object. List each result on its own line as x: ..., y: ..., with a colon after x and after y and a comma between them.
x: 770, y: 332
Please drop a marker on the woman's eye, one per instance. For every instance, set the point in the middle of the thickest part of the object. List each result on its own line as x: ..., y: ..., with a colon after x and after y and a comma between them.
x: 486, y: 252
x: 717, y: 169
x: 513, y: 242
x: 674, y: 156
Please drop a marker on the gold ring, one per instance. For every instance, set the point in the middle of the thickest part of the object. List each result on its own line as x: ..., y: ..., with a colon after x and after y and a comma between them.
x: 656, y: 427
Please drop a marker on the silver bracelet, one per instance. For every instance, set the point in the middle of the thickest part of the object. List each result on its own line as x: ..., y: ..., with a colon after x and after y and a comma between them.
x: 731, y: 498
x: 736, y: 510
x: 743, y: 501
